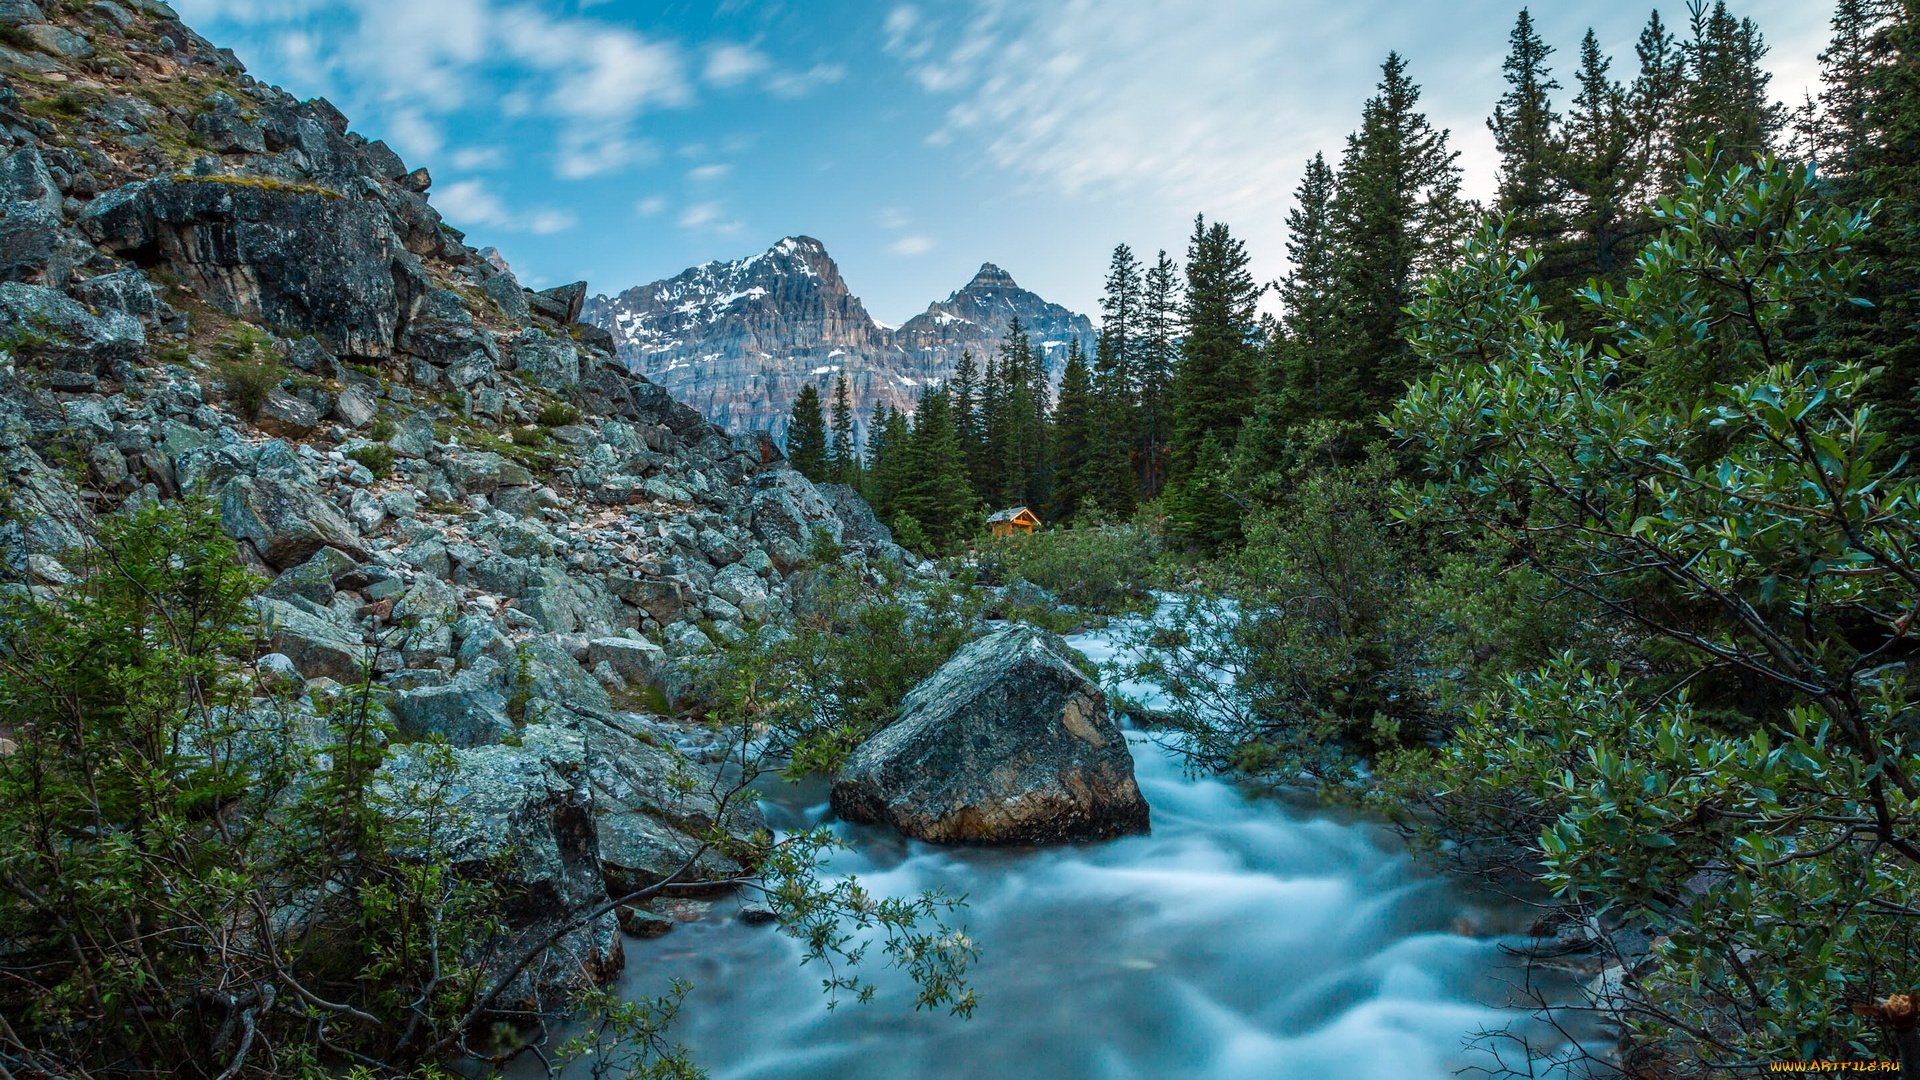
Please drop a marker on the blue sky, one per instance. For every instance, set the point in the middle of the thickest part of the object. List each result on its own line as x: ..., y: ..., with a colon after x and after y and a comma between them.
x: 623, y: 140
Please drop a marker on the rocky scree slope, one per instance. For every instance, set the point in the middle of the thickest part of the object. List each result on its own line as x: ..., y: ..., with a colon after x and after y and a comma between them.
x: 449, y: 483
x: 737, y: 340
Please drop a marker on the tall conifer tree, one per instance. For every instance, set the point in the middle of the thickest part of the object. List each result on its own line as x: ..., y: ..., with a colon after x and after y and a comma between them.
x: 843, y: 454
x: 807, y: 435
x: 1076, y: 470
x: 1523, y: 126
x: 1154, y: 362
x: 1397, y: 214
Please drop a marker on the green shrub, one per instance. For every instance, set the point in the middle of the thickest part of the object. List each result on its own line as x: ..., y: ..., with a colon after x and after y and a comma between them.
x: 1108, y: 569
x: 532, y: 437
x: 557, y: 414
x: 377, y: 459
x: 382, y: 430
x: 850, y: 659
x: 245, y: 364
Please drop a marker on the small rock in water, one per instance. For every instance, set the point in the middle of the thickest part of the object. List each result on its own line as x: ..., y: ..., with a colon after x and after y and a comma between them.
x: 757, y: 915
x: 643, y: 923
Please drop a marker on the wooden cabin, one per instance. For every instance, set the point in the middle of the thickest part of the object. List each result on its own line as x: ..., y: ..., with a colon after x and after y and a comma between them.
x: 1007, y: 522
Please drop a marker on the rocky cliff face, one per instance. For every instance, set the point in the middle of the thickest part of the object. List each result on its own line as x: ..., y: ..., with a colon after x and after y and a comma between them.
x: 737, y: 340
x: 443, y: 481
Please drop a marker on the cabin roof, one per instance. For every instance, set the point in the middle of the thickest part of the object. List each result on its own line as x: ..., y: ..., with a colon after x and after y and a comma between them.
x: 1012, y: 514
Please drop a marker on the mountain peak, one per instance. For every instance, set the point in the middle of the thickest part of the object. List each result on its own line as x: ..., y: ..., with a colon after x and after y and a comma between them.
x: 991, y: 276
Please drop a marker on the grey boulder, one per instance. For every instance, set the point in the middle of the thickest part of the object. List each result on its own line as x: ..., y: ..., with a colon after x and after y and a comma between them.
x: 1008, y: 743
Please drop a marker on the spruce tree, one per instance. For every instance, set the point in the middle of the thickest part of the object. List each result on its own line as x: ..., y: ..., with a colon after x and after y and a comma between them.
x: 1523, y: 127
x: 934, y: 491
x: 1723, y: 99
x: 843, y: 454
x: 1154, y: 362
x: 1603, y: 163
x: 965, y: 391
x: 1216, y: 382
x: 1024, y: 479
x: 886, y: 467
x: 1397, y: 215
x: 1114, y: 422
x: 807, y: 435
x: 1309, y: 317
x: 1073, y: 439
x: 1884, y: 177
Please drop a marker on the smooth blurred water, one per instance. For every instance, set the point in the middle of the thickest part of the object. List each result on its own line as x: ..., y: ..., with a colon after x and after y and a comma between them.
x: 1241, y: 939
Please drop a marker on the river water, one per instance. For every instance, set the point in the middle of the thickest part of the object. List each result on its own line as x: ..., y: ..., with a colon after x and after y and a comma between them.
x: 1243, y: 939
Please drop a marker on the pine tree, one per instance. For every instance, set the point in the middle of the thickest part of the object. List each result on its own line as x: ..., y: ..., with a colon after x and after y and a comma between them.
x: 1651, y: 103
x: 934, y: 492
x: 1154, y: 362
x: 1397, y: 214
x: 1883, y: 175
x: 843, y: 453
x: 1309, y: 317
x: 1841, y: 132
x: 886, y: 467
x: 1024, y: 479
x: 966, y: 392
x: 1603, y: 163
x: 1523, y: 126
x: 1723, y: 98
x: 1110, y: 478
x: 1073, y: 439
x: 807, y: 435
x: 1216, y: 382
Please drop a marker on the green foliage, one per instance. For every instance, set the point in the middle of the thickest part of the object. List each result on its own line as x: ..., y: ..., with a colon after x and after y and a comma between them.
x: 382, y: 430
x: 1743, y: 526
x: 555, y: 414
x: 378, y: 459
x: 192, y: 880
x: 246, y: 366
x: 807, y: 435
x: 1103, y: 568
x: 855, y: 650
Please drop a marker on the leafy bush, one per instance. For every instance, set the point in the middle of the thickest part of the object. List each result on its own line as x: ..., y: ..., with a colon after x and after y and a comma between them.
x: 185, y: 875
x: 851, y: 657
x: 378, y: 459
x: 557, y: 414
x: 532, y: 437
x: 1109, y: 568
x: 246, y: 366
x: 383, y: 429
x: 1722, y: 495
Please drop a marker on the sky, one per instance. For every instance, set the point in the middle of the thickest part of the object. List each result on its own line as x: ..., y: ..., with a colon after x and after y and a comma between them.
x: 622, y: 141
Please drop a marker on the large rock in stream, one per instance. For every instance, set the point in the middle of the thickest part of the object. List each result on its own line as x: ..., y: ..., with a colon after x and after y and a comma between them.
x: 1008, y: 743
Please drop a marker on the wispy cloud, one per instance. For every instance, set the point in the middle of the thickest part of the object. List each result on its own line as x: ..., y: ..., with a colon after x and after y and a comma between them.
x: 710, y: 217
x: 707, y: 174
x: 472, y: 202
x: 1215, y: 106
x: 730, y: 65
x: 911, y: 245
x: 650, y: 206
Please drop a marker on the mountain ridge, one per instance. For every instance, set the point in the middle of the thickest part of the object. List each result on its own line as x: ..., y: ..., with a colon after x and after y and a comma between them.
x: 737, y: 339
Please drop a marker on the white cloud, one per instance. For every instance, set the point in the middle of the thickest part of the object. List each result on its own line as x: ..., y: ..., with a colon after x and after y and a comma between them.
x: 730, y: 65
x: 893, y: 217
x: 801, y: 83
x: 470, y: 203
x: 1214, y: 107
x: 710, y: 217
x: 707, y: 174
x: 585, y: 152
x: 650, y: 206
x: 477, y: 158
x: 911, y: 245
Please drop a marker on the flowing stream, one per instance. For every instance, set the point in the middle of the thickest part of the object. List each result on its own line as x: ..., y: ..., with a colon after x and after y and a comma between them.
x: 1242, y: 939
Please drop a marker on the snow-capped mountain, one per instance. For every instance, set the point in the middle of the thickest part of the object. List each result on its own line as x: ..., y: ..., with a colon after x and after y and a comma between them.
x: 737, y: 340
